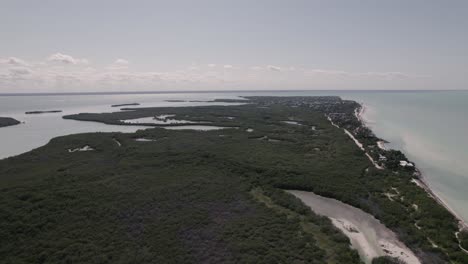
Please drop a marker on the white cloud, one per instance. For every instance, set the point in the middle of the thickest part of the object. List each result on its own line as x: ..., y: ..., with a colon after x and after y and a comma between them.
x: 45, y: 76
x: 119, y: 64
x: 256, y: 68
x: 194, y: 67
x: 273, y: 68
x: 67, y: 59
x: 121, y: 61
x: 20, y: 71
x: 14, y: 61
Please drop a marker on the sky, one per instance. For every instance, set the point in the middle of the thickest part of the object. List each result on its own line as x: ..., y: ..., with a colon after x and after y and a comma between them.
x: 114, y: 45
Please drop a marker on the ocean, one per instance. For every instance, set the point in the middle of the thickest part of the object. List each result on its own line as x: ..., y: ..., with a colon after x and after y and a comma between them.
x: 430, y: 127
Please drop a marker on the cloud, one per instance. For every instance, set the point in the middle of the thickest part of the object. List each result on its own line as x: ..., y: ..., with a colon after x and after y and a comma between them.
x: 194, y: 67
x: 389, y: 75
x: 17, y: 74
x: 66, y: 59
x: 119, y: 64
x: 20, y: 71
x: 14, y: 61
x: 256, y: 68
x: 273, y: 68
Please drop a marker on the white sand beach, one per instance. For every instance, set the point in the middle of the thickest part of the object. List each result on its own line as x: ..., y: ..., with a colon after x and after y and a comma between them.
x: 85, y: 148
x: 367, y: 235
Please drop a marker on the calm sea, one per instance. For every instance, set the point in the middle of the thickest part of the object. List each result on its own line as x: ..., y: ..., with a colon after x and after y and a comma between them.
x: 431, y: 128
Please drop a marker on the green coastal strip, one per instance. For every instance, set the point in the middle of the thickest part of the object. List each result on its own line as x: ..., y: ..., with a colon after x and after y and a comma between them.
x: 217, y: 196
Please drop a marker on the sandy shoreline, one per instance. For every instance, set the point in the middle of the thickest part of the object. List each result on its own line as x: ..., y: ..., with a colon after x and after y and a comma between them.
x: 421, y: 181
x: 367, y: 235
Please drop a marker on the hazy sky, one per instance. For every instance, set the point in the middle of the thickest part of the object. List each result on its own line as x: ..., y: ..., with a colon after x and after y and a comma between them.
x: 111, y: 45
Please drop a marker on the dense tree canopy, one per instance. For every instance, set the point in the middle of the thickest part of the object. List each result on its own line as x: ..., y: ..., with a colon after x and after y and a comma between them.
x: 186, y: 196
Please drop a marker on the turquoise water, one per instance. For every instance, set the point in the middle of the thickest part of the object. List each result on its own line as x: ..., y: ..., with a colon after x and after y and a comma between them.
x: 431, y: 128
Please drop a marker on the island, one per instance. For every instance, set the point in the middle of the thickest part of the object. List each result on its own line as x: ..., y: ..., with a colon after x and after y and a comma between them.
x: 8, y: 121
x: 175, y: 101
x: 42, y: 112
x: 119, y: 105
x: 230, y: 194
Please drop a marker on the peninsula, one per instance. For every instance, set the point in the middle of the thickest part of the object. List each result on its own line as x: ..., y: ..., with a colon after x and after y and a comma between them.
x: 228, y: 194
x: 129, y: 104
x: 43, y: 112
x: 8, y: 121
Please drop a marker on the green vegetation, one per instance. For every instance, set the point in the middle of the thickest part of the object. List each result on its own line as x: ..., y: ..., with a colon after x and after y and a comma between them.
x: 129, y: 104
x: 209, y: 197
x: 463, y: 237
x: 8, y: 121
x: 42, y: 112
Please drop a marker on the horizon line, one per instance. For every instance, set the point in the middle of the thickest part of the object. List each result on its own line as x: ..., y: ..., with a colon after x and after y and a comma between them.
x: 220, y: 91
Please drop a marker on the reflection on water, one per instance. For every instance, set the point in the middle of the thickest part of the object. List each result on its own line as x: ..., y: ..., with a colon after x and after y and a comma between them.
x: 429, y: 127
x: 37, y: 130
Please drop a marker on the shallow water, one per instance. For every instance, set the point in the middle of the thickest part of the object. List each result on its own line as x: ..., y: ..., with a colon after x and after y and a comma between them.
x: 39, y: 129
x: 368, y: 236
x: 429, y: 127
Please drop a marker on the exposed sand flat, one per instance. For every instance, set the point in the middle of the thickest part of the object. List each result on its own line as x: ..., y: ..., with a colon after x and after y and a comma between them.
x: 164, y: 116
x: 390, y: 196
x: 422, y: 184
x: 357, y: 143
x: 418, y: 183
x: 459, y: 245
x: 202, y: 128
x: 362, y: 148
x: 292, y: 123
x: 144, y: 139
x: 358, y: 112
x: 117, y: 142
x: 333, y: 124
x: 354, y: 139
x: 158, y: 120
x: 381, y: 145
x: 85, y: 148
x: 368, y: 236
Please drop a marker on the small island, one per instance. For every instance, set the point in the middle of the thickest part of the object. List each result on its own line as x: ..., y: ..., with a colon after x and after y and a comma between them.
x: 175, y: 101
x: 8, y: 121
x: 119, y: 105
x: 42, y: 112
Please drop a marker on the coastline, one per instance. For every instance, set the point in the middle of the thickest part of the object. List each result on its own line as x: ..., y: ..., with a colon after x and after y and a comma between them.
x: 420, y: 181
x: 367, y: 235
x: 351, y: 185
